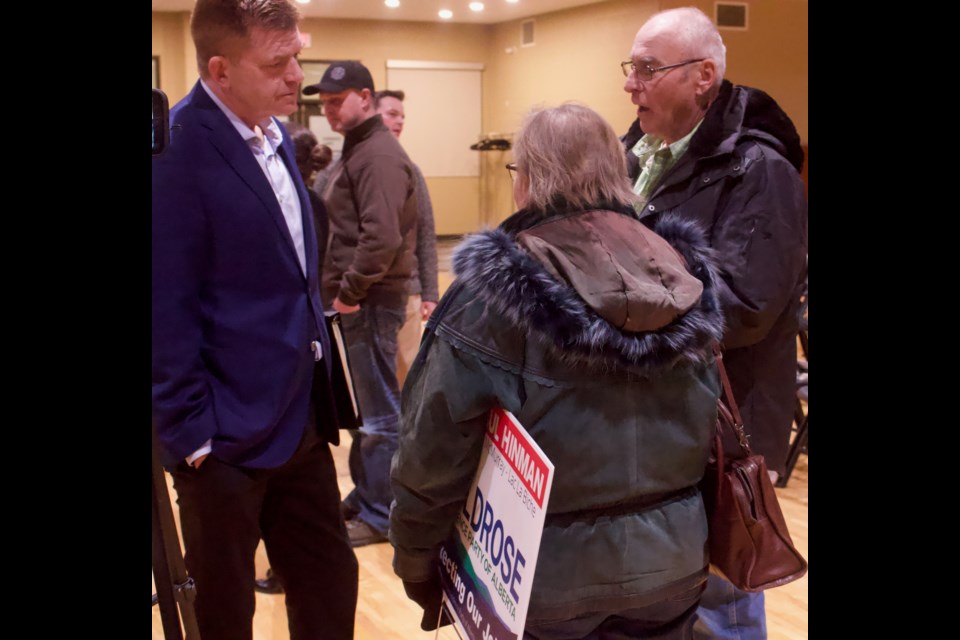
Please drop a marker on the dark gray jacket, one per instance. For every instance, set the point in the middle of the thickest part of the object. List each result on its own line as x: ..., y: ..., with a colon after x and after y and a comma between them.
x: 424, y: 278
x: 740, y: 179
x: 372, y: 208
x: 603, y: 354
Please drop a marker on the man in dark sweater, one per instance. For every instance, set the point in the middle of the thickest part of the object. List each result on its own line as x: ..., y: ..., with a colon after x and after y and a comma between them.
x: 372, y: 206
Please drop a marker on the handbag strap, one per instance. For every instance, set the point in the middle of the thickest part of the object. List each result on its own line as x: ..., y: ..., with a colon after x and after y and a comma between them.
x: 727, y: 408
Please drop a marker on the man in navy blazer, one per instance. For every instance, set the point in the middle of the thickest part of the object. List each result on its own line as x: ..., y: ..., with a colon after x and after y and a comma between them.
x: 241, y: 358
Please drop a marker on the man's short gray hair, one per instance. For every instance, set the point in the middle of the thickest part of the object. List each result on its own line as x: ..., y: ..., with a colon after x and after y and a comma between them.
x: 572, y: 157
x: 695, y: 32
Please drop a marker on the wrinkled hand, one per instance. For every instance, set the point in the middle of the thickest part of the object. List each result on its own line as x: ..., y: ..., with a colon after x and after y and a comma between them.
x: 343, y: 308
x: 428, y: 595
x: 426, y: 308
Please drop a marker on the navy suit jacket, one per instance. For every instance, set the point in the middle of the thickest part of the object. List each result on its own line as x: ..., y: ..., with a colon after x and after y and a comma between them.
x: 233, y: 314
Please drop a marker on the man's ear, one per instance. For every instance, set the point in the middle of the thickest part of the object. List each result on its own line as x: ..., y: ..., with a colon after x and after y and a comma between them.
x: 367, y: 97
x: 708, y: 76
x: 218, y: 67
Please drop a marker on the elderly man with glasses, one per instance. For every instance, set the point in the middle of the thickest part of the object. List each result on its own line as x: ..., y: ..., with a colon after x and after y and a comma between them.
x: 730, y: 158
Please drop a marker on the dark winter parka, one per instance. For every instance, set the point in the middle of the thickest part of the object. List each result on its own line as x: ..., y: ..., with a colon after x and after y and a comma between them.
x: 596, y: 335
x: 740, y: 179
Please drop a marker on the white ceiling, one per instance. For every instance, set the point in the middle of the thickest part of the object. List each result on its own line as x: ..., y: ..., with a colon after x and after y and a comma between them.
x: 413, y: 10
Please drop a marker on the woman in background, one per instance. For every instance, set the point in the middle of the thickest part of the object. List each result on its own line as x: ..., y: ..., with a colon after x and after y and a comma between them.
x: 596, y: 333
x: 312, y: 157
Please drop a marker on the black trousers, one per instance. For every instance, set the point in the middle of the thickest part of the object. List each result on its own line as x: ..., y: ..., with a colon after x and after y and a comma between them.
x: 224, y: 512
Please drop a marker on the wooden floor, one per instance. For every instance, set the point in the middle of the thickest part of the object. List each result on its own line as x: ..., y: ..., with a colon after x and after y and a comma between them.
x: 385, y: 613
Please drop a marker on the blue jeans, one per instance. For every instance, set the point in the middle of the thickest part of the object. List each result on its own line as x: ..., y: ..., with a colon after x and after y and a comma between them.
x: 728, y: 613
x: 371, y: 337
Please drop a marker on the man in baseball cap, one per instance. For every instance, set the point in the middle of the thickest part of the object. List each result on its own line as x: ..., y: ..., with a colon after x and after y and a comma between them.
x: 346, y: 92
x: 340, y: 76
x: 372, y: 208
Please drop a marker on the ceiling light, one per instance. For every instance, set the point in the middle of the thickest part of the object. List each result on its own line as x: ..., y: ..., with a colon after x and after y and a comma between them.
x: 476, y: 6
x: 446, y: 14
x: 393, y: 4
x: 512, y: 1
x: 303, y: 1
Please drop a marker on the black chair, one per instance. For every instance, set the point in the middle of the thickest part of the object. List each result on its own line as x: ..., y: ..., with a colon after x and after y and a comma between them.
x: 799, y: 444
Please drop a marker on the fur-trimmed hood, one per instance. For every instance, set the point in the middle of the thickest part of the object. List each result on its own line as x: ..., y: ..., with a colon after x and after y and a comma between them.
x: 532, y: 290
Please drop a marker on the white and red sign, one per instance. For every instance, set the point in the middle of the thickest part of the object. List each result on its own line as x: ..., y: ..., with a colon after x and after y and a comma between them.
x: 487, y: 565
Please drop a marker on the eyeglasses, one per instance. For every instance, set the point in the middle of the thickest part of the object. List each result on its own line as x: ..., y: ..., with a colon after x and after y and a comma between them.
x: 512, y: 170
x: 645, y: 73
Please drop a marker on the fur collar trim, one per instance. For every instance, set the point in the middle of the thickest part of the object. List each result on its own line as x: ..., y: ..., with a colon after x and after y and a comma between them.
x: 517, y: 288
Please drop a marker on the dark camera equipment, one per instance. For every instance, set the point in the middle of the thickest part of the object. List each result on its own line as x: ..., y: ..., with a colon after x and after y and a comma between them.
x: 161, y: 122
x: 175, y: 591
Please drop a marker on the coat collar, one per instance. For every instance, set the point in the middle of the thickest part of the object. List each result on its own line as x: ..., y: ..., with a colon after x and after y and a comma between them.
x: 362, y: 131
x: 738, y: 112
x: 528, y: 218
x: 498, y: 272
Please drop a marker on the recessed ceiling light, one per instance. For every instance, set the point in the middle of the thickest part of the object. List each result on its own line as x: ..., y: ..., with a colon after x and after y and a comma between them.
x: 476, y: 6
x: 303, y: 1
x: 446, y: 14
x: 512, y: 1
x: 393, y: 4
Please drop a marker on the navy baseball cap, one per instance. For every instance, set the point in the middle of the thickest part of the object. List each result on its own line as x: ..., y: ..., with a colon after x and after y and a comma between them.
x: 340, y: 76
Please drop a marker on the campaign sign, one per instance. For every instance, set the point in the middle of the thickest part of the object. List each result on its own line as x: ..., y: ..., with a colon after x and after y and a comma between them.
x: 487, y: 564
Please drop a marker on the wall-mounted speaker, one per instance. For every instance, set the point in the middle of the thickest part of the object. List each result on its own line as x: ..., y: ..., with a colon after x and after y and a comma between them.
x: 731, y: 15
x: 526, y: 33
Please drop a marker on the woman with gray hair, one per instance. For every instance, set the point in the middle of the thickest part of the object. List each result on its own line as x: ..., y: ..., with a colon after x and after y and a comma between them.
x: 596, y: 333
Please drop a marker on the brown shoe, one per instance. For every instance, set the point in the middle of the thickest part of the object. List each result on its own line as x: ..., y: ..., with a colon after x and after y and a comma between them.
x: 362, y: 534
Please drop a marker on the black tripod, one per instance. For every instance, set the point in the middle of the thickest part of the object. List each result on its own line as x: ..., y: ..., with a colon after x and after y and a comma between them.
x: 174, y: 589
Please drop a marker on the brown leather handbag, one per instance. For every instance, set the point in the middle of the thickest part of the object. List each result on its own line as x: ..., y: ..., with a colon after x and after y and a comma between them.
x: 748, y: 538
